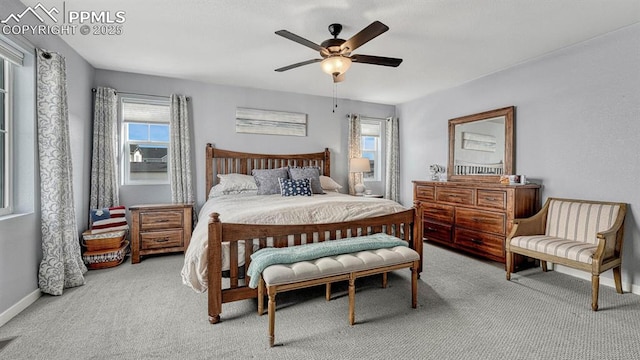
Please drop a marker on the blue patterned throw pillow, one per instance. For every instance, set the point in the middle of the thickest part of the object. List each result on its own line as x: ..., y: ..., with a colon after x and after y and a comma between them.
x: 290, y: 187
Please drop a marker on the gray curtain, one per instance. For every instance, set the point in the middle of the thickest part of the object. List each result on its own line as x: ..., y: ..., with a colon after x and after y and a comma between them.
x: 180, y: 145
x: 104, y: 173
x: 392, y: 156
x: 355, y: 151
x: 61, y: 265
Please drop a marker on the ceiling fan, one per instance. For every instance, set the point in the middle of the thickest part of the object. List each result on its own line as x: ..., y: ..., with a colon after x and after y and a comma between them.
x: 336, y: 53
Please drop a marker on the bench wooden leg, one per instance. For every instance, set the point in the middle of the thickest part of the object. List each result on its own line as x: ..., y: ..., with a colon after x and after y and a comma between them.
x: 544, y: 265
x: 617, y: 278
x: 261, y: 297
x: 384, y: 280
x: 272, y: 315
x: 327, y: 294
x: 595, y: 284
x: 352, y: 300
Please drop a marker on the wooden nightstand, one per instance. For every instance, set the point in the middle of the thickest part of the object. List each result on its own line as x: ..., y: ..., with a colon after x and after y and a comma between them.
x: 159, y: 229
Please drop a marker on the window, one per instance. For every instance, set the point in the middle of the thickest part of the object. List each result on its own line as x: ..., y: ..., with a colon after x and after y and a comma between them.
x: 5, y: 139
x: 372, y: 147
x: 145, y: 145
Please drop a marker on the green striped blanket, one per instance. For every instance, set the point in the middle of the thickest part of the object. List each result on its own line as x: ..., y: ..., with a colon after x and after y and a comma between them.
x: 263, y: 258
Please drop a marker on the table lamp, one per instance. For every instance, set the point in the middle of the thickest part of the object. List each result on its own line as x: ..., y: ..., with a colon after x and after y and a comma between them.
x: 359, y: 165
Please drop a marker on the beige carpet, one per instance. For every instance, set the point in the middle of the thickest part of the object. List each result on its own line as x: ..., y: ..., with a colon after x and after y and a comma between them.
x: 467, y: 310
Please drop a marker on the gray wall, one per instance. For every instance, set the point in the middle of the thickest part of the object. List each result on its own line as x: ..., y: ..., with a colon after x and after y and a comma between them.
x: 20, y: 240
x: 213, y: 112
x: 577, y: 127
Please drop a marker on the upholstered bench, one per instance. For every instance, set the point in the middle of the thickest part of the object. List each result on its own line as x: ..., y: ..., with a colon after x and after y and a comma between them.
x: 585, y: 235
x: 324, y: 270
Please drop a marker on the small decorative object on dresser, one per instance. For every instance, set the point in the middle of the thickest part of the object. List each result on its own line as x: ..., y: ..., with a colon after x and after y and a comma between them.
x: 159, y: 229
x: 474, y: 217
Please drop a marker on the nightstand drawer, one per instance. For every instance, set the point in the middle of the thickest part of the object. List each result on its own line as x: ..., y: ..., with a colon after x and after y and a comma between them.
x: 154, y: 220
x: 161, y: 239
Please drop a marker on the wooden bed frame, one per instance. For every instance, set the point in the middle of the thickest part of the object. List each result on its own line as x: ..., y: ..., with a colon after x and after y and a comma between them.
x: 224, y: 162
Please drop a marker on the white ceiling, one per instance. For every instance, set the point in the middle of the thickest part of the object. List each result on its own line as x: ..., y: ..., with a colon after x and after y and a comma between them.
x: 444, y: 43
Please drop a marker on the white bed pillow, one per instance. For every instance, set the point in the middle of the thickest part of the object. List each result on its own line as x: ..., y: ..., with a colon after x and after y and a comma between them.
x: 237, y: 182
x: 329, y: 184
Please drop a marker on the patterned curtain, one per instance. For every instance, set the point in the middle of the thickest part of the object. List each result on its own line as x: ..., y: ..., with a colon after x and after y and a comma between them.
x: 355, y: 151
x: 104, y: 175
x: 392, y: 175
x: 180, y: 145
x: 61, y: 265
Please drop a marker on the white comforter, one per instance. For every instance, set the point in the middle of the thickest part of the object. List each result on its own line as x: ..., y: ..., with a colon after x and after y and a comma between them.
x: 272, y: 209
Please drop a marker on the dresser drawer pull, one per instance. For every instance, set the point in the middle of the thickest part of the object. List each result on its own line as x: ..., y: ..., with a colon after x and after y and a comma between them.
x: 476, y: 241
x: 490, y: 199
x: 453, y: 195
x: 164, y: 239
x: 431, y: 229
x: 162, y: 220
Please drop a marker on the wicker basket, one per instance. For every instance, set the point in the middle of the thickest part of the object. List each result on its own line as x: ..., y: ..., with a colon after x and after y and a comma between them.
x: 103, y: 259
x: 103, y: 241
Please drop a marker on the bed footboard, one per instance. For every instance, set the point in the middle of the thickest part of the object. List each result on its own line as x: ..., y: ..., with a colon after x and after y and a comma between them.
x: 254, y: 237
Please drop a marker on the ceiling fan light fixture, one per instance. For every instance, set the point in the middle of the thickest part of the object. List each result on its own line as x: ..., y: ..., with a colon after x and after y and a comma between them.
x: 335, y: 64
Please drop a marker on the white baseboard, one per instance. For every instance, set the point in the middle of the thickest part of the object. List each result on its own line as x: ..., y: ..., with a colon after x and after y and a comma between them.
x: 11, y: 312
x: 606, y: 281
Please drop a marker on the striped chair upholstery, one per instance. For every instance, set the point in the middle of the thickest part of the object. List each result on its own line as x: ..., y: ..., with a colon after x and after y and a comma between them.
x: 571, y: 230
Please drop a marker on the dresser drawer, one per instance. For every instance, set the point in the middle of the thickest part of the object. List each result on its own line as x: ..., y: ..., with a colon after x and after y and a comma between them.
x: 437, y: 212
x: 424, y: 192
x: 481, y: 220
x: 480, y: 243
x: 457, y: 196
x: 155, y: 220
x: 161, y: 239
x: 435, y: 231
x: 492, y: 199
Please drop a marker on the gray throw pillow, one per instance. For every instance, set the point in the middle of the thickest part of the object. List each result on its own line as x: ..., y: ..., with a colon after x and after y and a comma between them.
x: 267, y: 180
x: 308, y: 172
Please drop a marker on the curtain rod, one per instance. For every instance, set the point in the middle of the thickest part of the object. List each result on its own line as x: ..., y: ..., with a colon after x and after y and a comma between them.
x: 367, y: 117
x: 132, y: 93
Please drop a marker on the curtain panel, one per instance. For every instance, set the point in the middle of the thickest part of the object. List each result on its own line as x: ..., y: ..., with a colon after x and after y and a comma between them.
x: 62, y: 266
x: 354, y: 151
x: 180, y: 145
x: 392, y: 173
x: 104, y: 172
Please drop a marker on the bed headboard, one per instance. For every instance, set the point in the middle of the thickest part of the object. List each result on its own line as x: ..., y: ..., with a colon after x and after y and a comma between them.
x: 226, y: 162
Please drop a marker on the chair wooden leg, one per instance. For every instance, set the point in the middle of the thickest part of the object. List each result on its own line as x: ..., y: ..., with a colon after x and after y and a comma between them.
x: 595, y: 285
x: 272, y: 315
x: 509, y: 258
x: 414, y: 284
x: 544, y: 265
x: 352, y: 300
x: 384, y: 280
x: 617, y: 277
x: 261, y: 297
x: 327, y: 292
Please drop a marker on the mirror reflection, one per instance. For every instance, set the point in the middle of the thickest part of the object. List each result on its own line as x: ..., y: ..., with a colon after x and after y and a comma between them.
x: 479, y: 147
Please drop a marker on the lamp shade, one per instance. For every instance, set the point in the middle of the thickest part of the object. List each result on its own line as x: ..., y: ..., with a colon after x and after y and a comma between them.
x: 359, y: 165
x: 336, y: 64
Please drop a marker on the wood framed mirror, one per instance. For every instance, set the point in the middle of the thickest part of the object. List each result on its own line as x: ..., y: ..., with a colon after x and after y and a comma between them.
x: 481, y: 146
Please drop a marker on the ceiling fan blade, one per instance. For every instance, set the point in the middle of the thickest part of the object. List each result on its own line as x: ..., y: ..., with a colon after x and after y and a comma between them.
x: 374, y: 29
x: 293, y: 66
x: 376, y: 60
x: 300, y: 40
x: 338, y: 78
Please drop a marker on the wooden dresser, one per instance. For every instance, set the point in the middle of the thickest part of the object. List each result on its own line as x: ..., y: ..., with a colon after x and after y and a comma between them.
x: 473, y: 217
x: 158, y: 229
